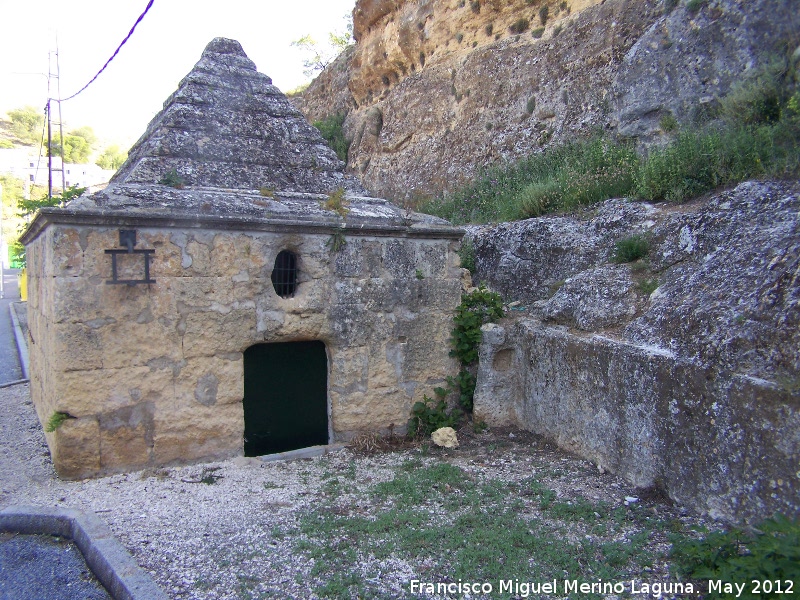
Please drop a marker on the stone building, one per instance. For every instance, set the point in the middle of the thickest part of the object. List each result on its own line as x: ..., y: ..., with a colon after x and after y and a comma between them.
x: 231, y: 291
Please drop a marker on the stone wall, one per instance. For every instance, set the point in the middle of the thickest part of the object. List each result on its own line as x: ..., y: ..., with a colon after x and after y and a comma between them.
x: 153, y: 374
x: 728, y: 447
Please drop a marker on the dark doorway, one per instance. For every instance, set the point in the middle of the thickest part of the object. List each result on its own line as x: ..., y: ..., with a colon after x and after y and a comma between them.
x: 285, y: 397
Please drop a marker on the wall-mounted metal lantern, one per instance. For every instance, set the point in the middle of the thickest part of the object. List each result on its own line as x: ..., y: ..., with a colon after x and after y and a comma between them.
x: 127, y: 241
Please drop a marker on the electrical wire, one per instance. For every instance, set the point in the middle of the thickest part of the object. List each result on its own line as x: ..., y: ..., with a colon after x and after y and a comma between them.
x: 122, y: 43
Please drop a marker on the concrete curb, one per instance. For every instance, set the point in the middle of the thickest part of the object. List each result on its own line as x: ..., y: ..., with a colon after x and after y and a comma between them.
x: 22, y: 344
x: 113, y: 566
x: 309, y: 452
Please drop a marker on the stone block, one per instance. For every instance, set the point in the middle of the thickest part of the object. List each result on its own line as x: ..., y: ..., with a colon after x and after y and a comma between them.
x: 126, y: 437
x: 83, y: 393
x: 210, y: 380
x: 212, y: 332
x: 75, y: 448
x: 190, y: 432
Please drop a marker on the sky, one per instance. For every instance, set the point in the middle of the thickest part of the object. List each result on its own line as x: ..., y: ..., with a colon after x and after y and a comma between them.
x: 163, y: 49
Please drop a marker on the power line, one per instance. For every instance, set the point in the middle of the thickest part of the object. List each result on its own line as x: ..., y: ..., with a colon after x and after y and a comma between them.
x: 122, y: 43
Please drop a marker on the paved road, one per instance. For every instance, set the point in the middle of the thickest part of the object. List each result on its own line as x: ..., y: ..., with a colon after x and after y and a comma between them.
x: 9, y: 357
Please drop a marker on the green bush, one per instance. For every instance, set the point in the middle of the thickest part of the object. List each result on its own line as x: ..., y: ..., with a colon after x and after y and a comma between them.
x: 467, y: 255
x: 771, y: 554
x: 477, y: 308
x: 519, y: 26
x: 430, y: 415
x: 332, y: 130
x: 630, y: 249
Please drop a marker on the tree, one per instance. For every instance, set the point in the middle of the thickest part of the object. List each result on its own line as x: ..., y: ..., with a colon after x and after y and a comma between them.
x: 26, y: 124
x: 317, y: 56
x: 77, y: 145
x: 111, y: 158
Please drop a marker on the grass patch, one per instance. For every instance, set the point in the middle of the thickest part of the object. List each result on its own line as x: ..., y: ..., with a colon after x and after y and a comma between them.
x: 450, y: 526
x: 756, y: 133
x: 630, y: 249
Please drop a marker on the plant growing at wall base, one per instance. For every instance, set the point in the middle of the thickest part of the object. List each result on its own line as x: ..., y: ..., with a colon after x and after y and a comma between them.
x: 769, y: 556
x: 429, y: 415
x: 56, y: 420
x: 466, y: 253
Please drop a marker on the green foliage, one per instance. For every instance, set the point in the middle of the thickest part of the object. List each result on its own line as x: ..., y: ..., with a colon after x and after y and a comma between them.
x: 336, y: 242
x: 537, y: 33
x: 56, y: 420
x: 466, y: 252
x: 172, y: 179
x: 772, y: 553
x: 757, y: 99
x: 332, y: 130
x: 5, y: 144
x: 647, y: 286
x: 695, y: 5
x: 26, y: 124
x: 630, y: 249
x: 111, y: 158
x: 337, y: 202
x: 758, y: 134
x: 430, y: 415
x: 477, y: 308
x: 559, y: 179
x: 77, y: 145
x: 544, y: 12
x: 28, y: 207
x: 464, y: 384
x: 519, y: 26
x: 530, y: 106
x: 668, y: 123
x: 317, y: 56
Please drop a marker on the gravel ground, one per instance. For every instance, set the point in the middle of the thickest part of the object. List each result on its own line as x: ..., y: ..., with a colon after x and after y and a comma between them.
x: 218, y: 530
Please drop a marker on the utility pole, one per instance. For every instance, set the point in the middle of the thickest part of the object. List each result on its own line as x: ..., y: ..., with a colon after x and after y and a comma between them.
x: 57, y: 76
x: 2, y: 262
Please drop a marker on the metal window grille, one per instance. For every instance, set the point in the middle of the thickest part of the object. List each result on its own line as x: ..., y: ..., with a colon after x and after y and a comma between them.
x: 284, y: 274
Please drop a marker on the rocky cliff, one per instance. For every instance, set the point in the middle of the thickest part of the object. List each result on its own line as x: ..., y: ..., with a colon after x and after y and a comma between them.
x: 434, y: 90
x: 681, y: 369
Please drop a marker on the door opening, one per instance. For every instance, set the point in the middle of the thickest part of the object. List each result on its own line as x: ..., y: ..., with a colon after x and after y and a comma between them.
x: 285, y: 397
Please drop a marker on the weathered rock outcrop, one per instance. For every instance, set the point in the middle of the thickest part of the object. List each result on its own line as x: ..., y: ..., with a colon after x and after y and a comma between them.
x: 438, y: 89
x: 681, y: 370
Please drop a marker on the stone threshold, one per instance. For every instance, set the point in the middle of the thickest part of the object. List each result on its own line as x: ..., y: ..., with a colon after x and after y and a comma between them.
x: 113, y: 566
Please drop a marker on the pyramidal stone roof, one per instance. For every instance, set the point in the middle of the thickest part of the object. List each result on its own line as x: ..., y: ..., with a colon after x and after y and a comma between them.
x: 227, y: 126
x: 240, y: 156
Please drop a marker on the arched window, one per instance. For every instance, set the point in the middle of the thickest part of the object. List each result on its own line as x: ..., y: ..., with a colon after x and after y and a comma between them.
x: 284, y: 274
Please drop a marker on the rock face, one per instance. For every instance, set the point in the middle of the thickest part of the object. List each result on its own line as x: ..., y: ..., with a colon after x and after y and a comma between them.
x: 680, y: 370
x: 149, y: 362
x: 432, y: 96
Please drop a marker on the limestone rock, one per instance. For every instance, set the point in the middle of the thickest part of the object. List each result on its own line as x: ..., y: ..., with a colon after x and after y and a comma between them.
x: 458, y: 90
x: 445, y: 437
x: 725, y: 269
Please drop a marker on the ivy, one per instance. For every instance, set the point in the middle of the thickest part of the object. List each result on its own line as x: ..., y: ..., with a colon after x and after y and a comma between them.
x: 477, y: 308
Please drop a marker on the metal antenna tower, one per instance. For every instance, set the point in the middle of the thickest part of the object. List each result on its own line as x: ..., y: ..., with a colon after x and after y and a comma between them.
x: 60, y: 123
